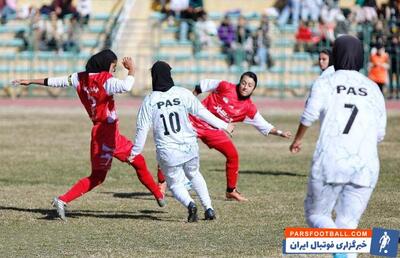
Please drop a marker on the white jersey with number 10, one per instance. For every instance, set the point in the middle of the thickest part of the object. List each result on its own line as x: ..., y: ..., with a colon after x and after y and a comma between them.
x: 167, y: 112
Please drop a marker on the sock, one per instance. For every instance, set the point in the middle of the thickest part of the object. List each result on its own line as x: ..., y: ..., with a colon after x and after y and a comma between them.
x: 145, y: 176
x: 200, y: 187
x: 160, y: 175
x: 84, y: 185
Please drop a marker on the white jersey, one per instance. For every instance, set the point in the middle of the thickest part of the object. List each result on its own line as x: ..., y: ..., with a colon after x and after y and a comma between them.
x: 174, y: 136
x: 352, y: 112
x: 329, y: 70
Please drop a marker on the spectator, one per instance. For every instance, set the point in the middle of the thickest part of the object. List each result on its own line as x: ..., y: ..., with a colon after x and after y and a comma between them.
x: 36, y: 26
x: 71, y: 42
x: 84, y: 8
x: 177, y: 8
x: 204, y: 30
x: 241, y: 46
x: 7, y: 9
x: 261, y: 44
x: 292, y: 8
x: 264, y: 23
x: 330, y: 13
x: 394, y: 54
x: 242, y: 30
x: 53, y: 33
x: 226, y: 33
x: 379, y: 66
x: 304, y: 37
x: 276, y: 8
x: 343, y: 24
x: 310, y: 8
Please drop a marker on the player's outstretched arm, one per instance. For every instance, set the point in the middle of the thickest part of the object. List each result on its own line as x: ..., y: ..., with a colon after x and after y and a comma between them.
x: 295, y: 147
x: 286, y: 134
x: 25, y: 82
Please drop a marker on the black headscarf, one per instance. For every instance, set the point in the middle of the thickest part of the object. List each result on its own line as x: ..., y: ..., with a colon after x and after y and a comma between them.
x: 161, y: 76
x: 348, y: 53
x: 101, y: 61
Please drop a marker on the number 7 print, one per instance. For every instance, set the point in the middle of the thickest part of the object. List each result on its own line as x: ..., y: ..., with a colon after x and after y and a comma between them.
x: 354, y: 111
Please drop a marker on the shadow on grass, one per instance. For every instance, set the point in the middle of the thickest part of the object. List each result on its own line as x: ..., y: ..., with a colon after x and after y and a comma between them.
x: 133, y: 195
x: 50, y: 214
x: 264, y: 172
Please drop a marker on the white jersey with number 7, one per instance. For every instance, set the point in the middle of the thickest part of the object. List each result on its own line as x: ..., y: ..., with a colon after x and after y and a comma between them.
x: 352, y: 113
x: 174, y: 136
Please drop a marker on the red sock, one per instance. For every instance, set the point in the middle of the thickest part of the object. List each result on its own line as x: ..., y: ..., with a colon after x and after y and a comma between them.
x: 232, y: 162
x: 84, y: 185
x: 145, y: 176
x: 160, y: 175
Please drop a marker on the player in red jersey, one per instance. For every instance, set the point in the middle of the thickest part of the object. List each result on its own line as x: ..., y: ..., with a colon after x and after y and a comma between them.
x: 231, y: 103
x: 95, y: 88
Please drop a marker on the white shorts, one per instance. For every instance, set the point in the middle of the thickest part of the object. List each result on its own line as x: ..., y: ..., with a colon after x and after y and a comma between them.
x: 177, y: 174
x: 348, y: 200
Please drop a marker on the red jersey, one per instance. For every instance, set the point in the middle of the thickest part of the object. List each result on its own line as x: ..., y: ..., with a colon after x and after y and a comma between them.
x: 98, y: 104
x: 224, y: 103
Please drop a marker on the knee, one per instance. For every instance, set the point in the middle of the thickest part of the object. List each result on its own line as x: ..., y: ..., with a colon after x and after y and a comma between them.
x: 138, y: 162
x: 232, y: 155
x: 97, y: 177
x: 192, y: 174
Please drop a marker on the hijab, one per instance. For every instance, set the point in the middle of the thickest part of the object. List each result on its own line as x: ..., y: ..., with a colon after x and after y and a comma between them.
x: 251, y: 75
x: 101, y: 61
x: 348, y: 53
x: 161, y: 76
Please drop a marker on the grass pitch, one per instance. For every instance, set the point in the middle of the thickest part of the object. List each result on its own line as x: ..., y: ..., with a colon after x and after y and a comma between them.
x: 45, y: 150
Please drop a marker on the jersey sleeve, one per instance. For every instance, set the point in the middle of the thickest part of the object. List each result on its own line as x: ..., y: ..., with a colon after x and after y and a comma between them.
x: 314, y: 104
x: 196, y: 108
x: 64, y: 81
x: 259, y: 123
x: 382, y: 118
x: 143, y: 125
x: 208, y: 85
x: 114, y: 85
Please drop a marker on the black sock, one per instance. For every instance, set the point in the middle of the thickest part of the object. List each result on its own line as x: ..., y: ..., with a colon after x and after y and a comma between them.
x: 230, y: 190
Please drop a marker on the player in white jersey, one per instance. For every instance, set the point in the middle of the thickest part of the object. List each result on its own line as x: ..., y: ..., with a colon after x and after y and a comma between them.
x: 325, y: 62
x: 345, y: 164
x: 167, y: 109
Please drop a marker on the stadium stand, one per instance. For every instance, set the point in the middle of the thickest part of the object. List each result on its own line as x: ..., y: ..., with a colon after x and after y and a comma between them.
x: 21, y: 58
x: 132, y: 28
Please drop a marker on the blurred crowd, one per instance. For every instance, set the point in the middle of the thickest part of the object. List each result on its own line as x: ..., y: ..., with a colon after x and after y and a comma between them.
x: 52, y: 27
x: 239, y: 42
x: 317, y: 23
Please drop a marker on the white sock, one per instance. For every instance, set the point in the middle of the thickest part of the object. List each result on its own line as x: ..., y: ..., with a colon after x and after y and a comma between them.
x: 200, y: 187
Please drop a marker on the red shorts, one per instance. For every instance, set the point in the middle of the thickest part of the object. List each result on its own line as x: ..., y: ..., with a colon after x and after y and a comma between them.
x: 107, y: 143
x: 208, y: 134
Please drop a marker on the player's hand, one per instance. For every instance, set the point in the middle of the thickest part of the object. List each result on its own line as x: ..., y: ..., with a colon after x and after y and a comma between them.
x: 21, y: 82
x: 287, y: 134
x: 295, y: 147
x: 128, y: 64
x: 229, y: 129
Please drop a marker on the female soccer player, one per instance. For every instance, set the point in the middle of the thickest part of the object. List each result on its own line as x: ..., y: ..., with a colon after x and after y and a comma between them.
x: 231, y: 103
x: 167, y: 109
x: 95, y: 88
x: 345, y: 165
